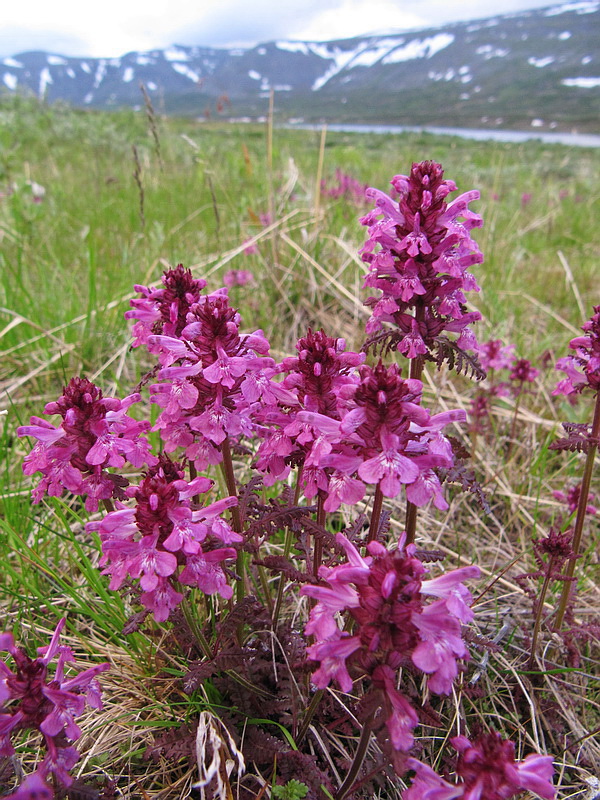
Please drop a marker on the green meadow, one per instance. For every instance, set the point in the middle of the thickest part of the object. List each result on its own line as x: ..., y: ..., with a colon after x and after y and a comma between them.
x: 93, y: 203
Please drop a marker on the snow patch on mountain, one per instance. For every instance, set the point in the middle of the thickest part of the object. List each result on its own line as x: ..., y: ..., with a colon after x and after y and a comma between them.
x: 582, y: 83
x: 540, y: 63
x: 10, y: 81
x: 340, y: 59
x: 45, y: 79
x: 419, y: 48
x: 489, y: 51
x: 184, y: 70
x: 11, y: 62
x: 584, y: 7
x: 372, y: 54
x: 175, y: 54
x: 57, y: 61
x: 100, y: 73
x: 128, y: 74
x: 293, y: 47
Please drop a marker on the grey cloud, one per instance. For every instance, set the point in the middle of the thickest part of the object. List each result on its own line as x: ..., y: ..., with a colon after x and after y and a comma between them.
x: 248, y: 23
x: 15, y: 40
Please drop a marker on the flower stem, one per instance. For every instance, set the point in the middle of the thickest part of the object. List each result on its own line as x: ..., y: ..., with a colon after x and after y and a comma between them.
x: 195, y: 628
x: 318, y: 551
x: 513, y: 425
x: 375, y: 514
x: 359, y: 757
x: 310, y: 712
x: 227, y: 467
x: 539, y: 612
x: 416, y: 371
x: 287, y: 546
x: 581, y: 512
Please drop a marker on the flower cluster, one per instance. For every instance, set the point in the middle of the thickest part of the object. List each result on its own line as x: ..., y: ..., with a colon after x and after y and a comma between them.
x: 238, y: 277
x: 571, y: 499
x: 166, y: 538
x: 419, y: 254
x: 487, y: 770
x: 582, y: 370
x: 350, y: 429
x: 33, y: 698
x: 495, y: 355
x: 164, y: 309
x: 344, y: 185
x: 210, y: 378
x: 319, y: 379
x: 95, y: 433
x: 497, y: 359
x: 385, y: 594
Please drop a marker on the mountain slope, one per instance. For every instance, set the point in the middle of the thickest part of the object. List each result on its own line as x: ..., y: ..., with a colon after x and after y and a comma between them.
x: 537, y: 68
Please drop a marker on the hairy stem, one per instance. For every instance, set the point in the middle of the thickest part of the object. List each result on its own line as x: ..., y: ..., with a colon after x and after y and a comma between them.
x: 416, y: 371
x: 540, y: 612
x: 359, y: 757
x: 227, y: 467
x: 287, y: 546
x: 513, y: 425
x: 195, y: 628
x: 318, y: 551
x: 310, y: 712
x: 375, y: 514
x: 581, y: 511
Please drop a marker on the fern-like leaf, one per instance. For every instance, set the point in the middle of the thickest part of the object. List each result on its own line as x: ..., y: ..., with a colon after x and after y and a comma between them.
x: 447, y: 351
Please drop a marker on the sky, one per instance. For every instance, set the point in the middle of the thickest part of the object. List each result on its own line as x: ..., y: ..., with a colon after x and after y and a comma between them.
x: 111, y: 28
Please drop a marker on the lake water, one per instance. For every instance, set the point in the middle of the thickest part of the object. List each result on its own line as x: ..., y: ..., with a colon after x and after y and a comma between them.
x: 573, y: 139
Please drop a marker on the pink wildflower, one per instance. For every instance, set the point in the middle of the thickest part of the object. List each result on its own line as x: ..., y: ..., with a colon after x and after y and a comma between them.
x: 523, y: 372
x: 95, y: 434
x: 487, y: 770
x: 163, y: 310
x: 31, y: 698
x: 320, y: 379
x: 34, y: 787
x: 344, y: 186
x: 213, y: 378
x: 240, y: 277
x: 250, y: 249
x: 419, y: 254
x: 394, y: 627
x: 583, y: 368
x: 494, y: 355
x: 165, y: 530
x: 571, y: 499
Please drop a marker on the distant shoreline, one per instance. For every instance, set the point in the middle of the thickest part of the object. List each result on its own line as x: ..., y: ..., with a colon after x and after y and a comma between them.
x: 480, y: 134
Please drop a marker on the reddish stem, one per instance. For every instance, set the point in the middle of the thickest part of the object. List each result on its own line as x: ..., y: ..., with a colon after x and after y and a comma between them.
x: 584, y: 494
x: 318, y: 551
x: 416, y: 371
x: 375, y: 514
